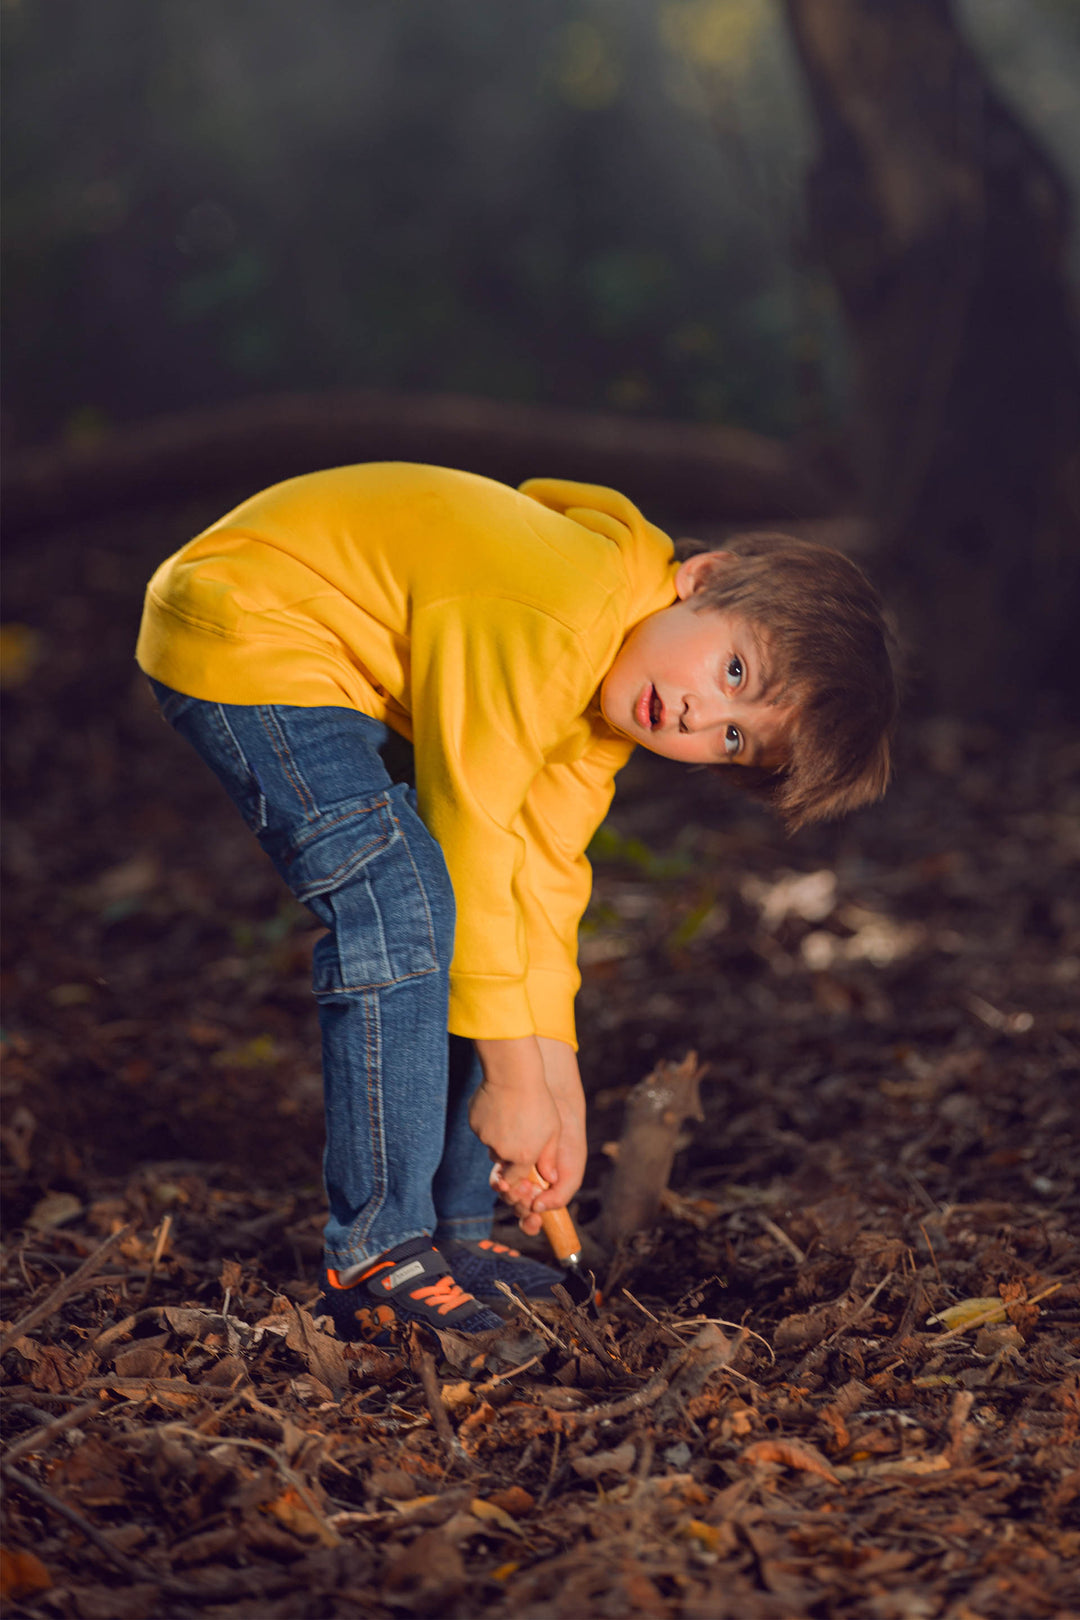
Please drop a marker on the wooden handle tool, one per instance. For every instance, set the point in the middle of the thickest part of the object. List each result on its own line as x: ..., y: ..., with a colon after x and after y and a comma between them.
x: 559, y: 1229
x: 561, y: 1233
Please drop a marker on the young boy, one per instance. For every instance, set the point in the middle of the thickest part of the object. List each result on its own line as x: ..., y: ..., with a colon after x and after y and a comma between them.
x: 523, y: 642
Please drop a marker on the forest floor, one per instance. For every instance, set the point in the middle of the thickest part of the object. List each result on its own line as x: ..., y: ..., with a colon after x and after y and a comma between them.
x: 769, y: 1417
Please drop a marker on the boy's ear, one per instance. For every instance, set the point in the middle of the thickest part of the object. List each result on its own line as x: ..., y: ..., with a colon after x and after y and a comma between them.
x: 693, y: 573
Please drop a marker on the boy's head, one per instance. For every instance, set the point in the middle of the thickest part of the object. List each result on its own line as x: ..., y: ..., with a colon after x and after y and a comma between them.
x: 775, y: 657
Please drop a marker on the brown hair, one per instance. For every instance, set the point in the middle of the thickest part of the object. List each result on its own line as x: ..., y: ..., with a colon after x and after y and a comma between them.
x: 830, y: 653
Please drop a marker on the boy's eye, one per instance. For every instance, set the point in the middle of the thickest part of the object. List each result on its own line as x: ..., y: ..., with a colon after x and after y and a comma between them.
x: 732, y: 741
x: 734, y: 670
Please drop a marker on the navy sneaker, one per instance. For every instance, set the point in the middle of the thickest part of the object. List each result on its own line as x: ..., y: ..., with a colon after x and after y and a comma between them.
x: 479, y: 1266
x: 411, y: 1283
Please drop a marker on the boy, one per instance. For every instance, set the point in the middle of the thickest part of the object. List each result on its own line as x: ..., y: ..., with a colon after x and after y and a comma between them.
x: 523, y: 642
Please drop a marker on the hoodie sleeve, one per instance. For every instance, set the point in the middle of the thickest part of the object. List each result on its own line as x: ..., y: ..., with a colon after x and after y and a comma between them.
x: 494, y: 681
x: 564, y: 807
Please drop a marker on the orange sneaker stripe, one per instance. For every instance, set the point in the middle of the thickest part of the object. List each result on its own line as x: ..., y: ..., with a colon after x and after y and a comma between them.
x: 380, y: 1265
x: 446, y: 1295
x: 334, y: 1278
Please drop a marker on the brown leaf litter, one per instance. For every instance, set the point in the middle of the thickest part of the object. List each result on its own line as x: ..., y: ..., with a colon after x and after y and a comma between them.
x: 772, y: 1415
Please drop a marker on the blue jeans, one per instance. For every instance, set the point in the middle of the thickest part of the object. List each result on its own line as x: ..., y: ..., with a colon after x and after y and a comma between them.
x: 312, y: 785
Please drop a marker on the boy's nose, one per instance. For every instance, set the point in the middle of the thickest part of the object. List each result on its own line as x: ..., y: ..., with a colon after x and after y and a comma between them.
x: 702, y: 714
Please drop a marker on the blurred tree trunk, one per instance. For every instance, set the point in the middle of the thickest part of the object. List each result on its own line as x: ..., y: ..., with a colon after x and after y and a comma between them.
x: 945, y: 226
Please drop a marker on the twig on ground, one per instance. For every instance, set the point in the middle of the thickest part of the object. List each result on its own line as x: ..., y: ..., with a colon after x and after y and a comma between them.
x: 541, y: 1500
x: 580, y: 1324
x: 785, y: 1242
x: 213, y: 1419
x: 40, y: 1439
x: 15, y: 1392
x: 663, y: 1326
x: 685, y: 1410
x: 498, y: 1378
x: 523, y: 1305
x: 860, y: 1310
x: 740, y: 1327
x: 423, y: 1364
x: 62, y: 1291
x: 702, y: 1321
x: 930, y: 1246
x: 249, y: 1397
x: 155, y: 1260
x: 646, y: 1396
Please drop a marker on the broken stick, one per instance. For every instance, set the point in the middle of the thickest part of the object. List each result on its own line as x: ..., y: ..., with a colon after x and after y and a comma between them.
x: 655, y: 1111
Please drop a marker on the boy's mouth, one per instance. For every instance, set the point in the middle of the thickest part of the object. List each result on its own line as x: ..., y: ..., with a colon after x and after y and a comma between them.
x: 650, y: 709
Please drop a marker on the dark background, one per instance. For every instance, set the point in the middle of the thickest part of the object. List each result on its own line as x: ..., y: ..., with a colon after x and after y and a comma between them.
x: 847, y: 229
x: 586, y: 204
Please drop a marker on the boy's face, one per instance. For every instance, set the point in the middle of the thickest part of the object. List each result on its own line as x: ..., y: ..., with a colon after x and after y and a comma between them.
x: 690, y: 683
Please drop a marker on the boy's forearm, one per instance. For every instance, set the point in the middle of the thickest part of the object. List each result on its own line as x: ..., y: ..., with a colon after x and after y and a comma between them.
x: 520, y: 1064
x: 561, y: 1068
x: 566, y: 1165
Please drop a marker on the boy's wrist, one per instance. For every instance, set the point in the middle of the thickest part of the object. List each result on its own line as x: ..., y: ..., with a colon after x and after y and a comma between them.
x: 510, y: 1062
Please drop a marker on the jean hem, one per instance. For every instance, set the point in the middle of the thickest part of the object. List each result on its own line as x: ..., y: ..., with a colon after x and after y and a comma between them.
x: 348, y: 1259
x: 465, y: 1228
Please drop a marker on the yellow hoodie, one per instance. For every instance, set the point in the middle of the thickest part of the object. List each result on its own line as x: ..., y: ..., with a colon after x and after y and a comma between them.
x: 476, y: 620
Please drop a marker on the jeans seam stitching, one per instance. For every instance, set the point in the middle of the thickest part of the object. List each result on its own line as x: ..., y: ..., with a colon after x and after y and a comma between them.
x: 373, y: 1032
x: 325, y: 885
x: 338, y: 821
x: 423, y: 894
x: 378, y: 984
x: 291, y: 770
x: 241, y: 758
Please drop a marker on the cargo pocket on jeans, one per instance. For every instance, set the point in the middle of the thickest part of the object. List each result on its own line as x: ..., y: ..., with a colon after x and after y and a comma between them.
x: 352, y: 865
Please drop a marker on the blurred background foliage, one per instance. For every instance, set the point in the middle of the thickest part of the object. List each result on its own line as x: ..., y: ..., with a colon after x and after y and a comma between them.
x: 596, y: 203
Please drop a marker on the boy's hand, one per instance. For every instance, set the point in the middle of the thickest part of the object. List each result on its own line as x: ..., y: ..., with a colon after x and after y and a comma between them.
x: 513, y: 1111
x: 561, y: 1160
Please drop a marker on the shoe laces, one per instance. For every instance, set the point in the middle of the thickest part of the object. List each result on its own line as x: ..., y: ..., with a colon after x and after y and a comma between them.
x: 445, y: 1295
x: 499, y: 1248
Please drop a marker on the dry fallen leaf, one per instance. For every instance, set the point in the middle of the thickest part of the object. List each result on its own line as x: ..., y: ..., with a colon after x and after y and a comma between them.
x: 710, y: 1538
x: 55, y: 1209
x: 290, y: 1510
x: 495, y: 1514
x: 21, y: 1573
x: 966, y: 1312
x: 513, y: 1500
x: 790, y: 1454
x: 457, y: 1397
x: 910, y: 1465
x: 476, y: 1424
x: 618, y: 1461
